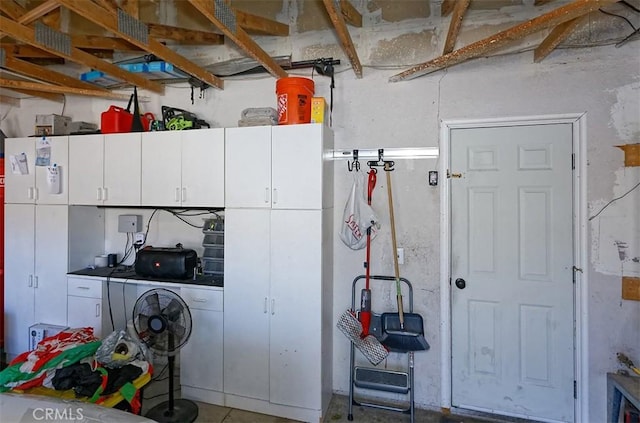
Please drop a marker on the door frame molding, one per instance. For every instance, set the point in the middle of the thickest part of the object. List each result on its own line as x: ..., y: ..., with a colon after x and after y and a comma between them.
x: 580, y: 250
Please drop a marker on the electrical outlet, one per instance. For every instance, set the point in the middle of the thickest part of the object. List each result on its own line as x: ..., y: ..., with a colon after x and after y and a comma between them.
x: 138, y: 238
x: 400, y: 255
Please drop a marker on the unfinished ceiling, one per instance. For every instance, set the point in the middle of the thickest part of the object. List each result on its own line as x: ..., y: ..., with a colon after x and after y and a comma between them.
x: 85, y: 35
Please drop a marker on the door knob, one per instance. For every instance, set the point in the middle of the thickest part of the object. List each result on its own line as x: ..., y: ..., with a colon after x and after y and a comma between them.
x: 461, y: 283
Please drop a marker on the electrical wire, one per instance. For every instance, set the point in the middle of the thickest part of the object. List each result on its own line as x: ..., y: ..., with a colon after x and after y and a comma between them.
x: 613, y: 201
x: 618, y: 16
x: 160, y: 395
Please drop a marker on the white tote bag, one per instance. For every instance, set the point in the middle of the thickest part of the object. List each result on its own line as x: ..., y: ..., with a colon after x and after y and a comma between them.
x: 357, y: 216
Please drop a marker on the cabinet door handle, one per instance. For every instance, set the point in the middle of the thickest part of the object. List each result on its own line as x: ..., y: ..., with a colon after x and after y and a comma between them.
x: 199, y: 300
x: 82, y: 287
x: 35, y: 281
x: 177, y: 197
x: 30, y: 193
x: 184, y: 195
x: 105, y: 190
x: 35, y: 194
x: 273, y: 307
x: 275, y: 195
x: 30, y: 281
x: 266, y: 195
x: 97, y: 310
x: 265, y: 305
x: 99, y: 193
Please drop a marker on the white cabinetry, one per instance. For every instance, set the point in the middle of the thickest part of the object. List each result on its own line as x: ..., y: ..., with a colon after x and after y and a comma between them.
x: 32, y: 187
x: 201, y: 357
x: 278, y: 273
x: 105, y: 169
x: 278, y: 167
x: 183, y: 168
x: 36, y: 262
x: 84, y: 304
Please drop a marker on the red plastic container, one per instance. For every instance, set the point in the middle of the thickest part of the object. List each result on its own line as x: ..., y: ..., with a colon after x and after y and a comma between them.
x: 115, y: 120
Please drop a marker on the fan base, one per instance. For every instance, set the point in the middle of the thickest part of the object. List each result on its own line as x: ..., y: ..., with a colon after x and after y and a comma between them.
x: 184, y: 411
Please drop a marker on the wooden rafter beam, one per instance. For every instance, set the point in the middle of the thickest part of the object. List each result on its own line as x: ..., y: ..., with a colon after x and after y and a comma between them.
x: 56, y: 97
x: 43, y: 74
x: 557, y: 35
x: 239, y: 37
x: 11, y: 101
x: 184, y: 36
x: 99, y: 42
x: 555, y: 17
x: 38, y: 12
x: 35, y: 86
x: 350, y: 13
x: 108, y: 20
x: 27, y: 35
x: 259, y: 25
x: 131, y: 7
x: 27, y: 51
x: 111, y: 5
x: 343, y: 35
x: 447, y: 7
x: 459, y: 10
x: 11, y: 9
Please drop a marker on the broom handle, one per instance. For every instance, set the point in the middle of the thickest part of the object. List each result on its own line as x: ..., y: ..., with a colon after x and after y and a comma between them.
x: 394, y: 252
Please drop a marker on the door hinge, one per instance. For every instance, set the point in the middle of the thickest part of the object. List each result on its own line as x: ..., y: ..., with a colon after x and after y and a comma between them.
x: 575, y: 390
x: 573, y: 161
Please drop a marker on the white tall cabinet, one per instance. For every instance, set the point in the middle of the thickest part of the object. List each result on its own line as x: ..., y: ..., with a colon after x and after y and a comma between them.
x: 35, y: 270
x: 278, y: 270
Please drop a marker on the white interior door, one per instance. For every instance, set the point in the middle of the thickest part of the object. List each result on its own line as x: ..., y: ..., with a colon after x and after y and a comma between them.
x: 512, y: 271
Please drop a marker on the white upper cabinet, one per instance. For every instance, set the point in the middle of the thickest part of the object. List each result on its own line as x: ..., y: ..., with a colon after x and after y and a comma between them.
x: 279, y: 167
x: 183, y: 168
x: 203, y: 168
x: 31, y: 184
x: 248, y: 167
x: 105, y: 169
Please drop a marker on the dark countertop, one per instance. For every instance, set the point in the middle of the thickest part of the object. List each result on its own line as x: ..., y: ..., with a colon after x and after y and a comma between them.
x: 127, y: 272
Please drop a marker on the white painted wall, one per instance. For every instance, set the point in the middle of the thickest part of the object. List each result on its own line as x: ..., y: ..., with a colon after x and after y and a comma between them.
x: 602, y: 82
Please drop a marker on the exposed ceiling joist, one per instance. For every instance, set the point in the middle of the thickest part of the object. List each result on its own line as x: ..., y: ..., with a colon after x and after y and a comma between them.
x: 259, y: 25
x: 344, y: 36
x: 557, y: 35
x: 27, y: 35
x: 38, y: 12
x: 184, y: 36
x: 11, y: 9
x: 43, y: 74
x: 131, y: 7
x: 447, y: 7
x: 107, y: 4
x: 100, y: 42
x: 55, y: 97
x: 553, y: 18
x: 31, y: 52
x: 459, y: 10
x: 11, y: 101
x: 237, y: 34
x: 35, y: 86
x: 350, y: 13
x: 109, y: 20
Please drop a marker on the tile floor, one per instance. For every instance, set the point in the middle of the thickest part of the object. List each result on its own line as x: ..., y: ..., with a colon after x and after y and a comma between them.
x: 155, y: 393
